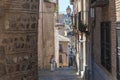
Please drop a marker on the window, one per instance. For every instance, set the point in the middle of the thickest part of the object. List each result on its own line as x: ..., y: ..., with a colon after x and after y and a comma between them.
x: 60, y: 48
x: 92, y: 12
x: 92, y: 1
x: 60, y: 59
x: 106, y: 45
x: 118, y: 50
x: 75, y: 18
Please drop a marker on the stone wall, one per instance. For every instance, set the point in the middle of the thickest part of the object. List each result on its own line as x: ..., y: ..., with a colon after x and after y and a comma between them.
x: 64, y: 53
x: 18, y: 39
x: 46, y: 36
x: 106, y: 13
x: 112, y: 18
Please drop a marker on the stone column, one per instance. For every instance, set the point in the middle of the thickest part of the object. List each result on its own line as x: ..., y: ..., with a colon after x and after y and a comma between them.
x: 18, y: 39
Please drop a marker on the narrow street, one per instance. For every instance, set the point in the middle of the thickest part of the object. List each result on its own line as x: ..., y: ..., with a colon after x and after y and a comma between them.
x: 59, y: 74
x: 59, y: 39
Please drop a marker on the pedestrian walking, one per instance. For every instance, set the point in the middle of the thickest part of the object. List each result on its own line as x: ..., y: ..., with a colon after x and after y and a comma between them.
x: 52, y: 63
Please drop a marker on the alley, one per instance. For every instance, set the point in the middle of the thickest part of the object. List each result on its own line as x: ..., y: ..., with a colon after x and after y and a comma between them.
x: 59, y: 74
x: 37, y: 36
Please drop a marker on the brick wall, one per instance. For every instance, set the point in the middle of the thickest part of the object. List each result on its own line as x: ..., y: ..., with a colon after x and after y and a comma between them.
x: 112, y: 16
x: 106, y: 13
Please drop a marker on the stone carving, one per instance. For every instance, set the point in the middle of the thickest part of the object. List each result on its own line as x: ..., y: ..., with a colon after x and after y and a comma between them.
x: 9, y: 60
x: 21, y: 22
x: 17, y: 67
x: 18, y: 39
x: 2, y: 53
x: 20, y: 42
x: 23, y: 4
x: 1, y: 11
x: 21, y: 62
x: 2, y: 70
x: 10, y: 69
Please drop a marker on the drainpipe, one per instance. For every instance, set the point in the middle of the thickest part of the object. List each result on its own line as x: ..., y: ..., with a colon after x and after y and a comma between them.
x: 83, y: 56
x: 89, y: 58
x: 81, y: 46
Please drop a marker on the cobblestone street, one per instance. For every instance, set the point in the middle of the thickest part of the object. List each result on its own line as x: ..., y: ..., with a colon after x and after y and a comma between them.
x: 59, y: 74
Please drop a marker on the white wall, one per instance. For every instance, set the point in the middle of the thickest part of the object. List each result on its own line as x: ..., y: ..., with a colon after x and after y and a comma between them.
x: 56, y: 33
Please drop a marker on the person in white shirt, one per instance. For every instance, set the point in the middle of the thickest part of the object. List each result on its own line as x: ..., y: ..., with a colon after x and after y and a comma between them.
x: 52, y: 63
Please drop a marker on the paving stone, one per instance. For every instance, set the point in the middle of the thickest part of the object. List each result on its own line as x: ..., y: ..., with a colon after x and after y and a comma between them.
x: 59, y: 74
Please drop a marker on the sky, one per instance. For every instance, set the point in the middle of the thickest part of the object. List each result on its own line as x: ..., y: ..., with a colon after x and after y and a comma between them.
x: 63, y: 4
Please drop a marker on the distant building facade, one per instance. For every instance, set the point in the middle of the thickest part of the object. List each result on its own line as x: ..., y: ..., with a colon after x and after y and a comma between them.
x: 59, y: 30
x: 60, y: 18
x: 63, y: 51
x: 62, y: 55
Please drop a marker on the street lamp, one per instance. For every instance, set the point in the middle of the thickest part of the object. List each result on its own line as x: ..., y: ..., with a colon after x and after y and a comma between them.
x: 68, y: 10
x: 67, y: 20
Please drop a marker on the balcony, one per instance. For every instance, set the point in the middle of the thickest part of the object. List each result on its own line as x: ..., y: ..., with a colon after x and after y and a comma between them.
x: 99, y: 3
x: 82, y: 27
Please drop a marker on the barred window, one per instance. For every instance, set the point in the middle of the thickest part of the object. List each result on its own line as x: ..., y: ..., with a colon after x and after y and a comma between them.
x: 106, y: 45
x: 118, y: 49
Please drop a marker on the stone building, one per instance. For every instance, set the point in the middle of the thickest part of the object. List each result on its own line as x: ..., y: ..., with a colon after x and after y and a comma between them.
x: 60, y: 27
x: 103, y: 18
x: 18, y: 39
x: 103, y: 39
x: 61, y: 45
x: 63, y: 51
x: 56, y: 33
x: 59, y: 30
x: 61, y: 18
x: 117, y: 2
x: 46, y: 46
x: 80, y: 25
